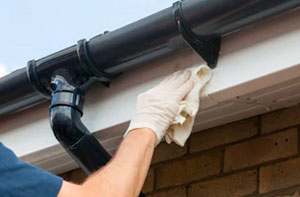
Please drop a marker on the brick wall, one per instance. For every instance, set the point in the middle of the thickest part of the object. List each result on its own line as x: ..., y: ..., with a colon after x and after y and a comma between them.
x: 255, y: 157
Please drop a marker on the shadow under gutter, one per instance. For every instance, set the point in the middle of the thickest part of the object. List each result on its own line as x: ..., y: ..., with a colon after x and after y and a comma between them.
x: 65, y: 75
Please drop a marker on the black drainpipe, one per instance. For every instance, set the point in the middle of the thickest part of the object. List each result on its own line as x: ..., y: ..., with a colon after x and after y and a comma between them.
x: 65, y: 75
x: 65, y: 113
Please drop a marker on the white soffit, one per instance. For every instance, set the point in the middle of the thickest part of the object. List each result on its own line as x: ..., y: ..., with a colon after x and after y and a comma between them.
x: 258, y: 71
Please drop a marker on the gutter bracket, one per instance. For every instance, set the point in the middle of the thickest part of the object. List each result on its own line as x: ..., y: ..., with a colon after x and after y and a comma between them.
x: 34, y: 80
x: 208, y: 49
x: 85, y: 60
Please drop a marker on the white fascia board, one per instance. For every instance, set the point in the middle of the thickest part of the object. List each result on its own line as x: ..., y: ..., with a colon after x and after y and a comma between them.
x: 258, y: 71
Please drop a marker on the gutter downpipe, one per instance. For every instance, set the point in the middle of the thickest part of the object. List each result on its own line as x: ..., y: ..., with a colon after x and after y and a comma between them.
x: 64, y: 76
x: 65, y: 112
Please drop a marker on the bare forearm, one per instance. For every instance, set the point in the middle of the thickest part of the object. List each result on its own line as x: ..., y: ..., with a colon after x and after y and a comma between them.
x: 126, y: 172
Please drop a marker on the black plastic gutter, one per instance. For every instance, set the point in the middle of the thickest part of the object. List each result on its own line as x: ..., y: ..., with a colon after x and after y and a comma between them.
x: 147, y: 39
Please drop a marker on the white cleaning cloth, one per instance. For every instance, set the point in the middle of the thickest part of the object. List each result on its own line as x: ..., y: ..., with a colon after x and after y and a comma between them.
x: 183, y: 123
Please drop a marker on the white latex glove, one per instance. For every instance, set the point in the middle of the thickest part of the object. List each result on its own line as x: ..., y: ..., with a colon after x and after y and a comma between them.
x: 157, y: 107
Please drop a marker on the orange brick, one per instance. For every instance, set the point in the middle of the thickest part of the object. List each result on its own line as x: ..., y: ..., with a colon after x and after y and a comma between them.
x: 292, y: 194
x: 166, y: 152
x: 278, y: 176
x: 188, y: 169
x: 178, y: 192
x: 76, y: 176
x: 295, y: 194
x: 260, y: 150
x: 240, y: 184
x: 149, y: 182
x: 224, y: 134
x: 280, y: 119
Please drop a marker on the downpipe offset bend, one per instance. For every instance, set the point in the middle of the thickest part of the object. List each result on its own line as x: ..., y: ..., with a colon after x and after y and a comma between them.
x: 65, y: 119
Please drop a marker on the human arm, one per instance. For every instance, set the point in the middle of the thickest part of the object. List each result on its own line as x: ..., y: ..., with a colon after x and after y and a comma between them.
x: 124, y: 175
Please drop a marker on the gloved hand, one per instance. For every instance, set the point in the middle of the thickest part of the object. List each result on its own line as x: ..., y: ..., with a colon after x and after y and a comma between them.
x: 157, y: 107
